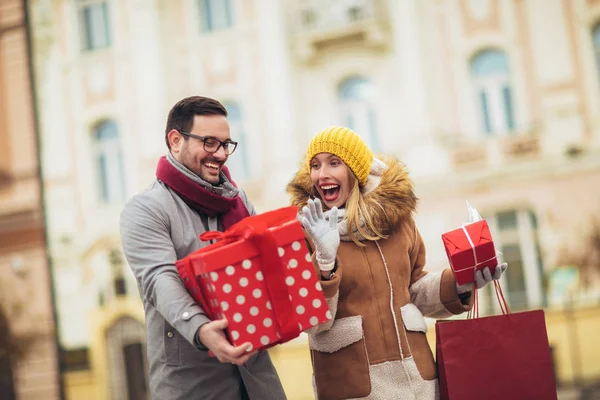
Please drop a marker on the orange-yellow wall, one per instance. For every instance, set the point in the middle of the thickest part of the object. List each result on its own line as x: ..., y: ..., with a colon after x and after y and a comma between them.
x: 293, y: 364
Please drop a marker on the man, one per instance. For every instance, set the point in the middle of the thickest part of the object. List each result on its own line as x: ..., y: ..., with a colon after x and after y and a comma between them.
x: 193, y: 193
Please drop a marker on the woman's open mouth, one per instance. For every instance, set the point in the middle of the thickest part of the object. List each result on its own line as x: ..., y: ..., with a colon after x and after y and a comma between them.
x: 330, y: 192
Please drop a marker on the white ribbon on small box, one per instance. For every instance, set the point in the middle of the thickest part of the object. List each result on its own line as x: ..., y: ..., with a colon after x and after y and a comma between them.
x: 477, y: 262
x: 474, y: 216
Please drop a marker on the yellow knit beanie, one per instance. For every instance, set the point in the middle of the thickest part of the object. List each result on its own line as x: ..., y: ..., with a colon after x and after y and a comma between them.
x: 347, y: 145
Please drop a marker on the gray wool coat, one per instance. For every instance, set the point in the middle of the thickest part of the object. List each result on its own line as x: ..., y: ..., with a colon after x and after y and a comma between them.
x: 158, y: 228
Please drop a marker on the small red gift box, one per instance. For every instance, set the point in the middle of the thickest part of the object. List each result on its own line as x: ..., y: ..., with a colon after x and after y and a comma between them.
x: 260, y: 277
x: 470, y: 248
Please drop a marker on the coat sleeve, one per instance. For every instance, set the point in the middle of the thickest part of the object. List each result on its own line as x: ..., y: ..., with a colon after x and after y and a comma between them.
x: 331, y: 289
x: 150, y: 253
x: 249, y: 205
x: 433, y: 293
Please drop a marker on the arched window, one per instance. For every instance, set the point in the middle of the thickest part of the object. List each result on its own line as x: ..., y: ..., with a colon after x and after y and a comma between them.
x: 494, y: 97
x: 95, y: 24
x: 125, y: 341
x: 215, y: 14
x: 356, y: 97
x: 516, y: 237
x: 109, y: 162
x: 596, y: 39
x: 237, y: 162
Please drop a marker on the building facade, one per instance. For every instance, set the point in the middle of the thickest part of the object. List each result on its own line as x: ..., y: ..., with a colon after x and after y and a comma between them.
x: 26, y: 301
x: 494, y: 102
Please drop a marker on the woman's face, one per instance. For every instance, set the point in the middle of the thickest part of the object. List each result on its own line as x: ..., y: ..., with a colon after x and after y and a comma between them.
x: 331, y: 177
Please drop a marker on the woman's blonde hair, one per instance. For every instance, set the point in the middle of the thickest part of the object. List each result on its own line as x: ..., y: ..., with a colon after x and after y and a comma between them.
x: 358, y: 215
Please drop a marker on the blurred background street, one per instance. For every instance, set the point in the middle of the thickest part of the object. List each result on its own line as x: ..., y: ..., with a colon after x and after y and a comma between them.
x: 492, y: 101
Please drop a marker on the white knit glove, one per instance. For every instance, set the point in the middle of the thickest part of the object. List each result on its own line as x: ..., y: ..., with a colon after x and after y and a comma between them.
x: 324, y: 233
x: 482, y: 279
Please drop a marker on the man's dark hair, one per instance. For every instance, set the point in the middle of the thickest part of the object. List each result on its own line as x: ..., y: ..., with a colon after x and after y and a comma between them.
x: 181, y: 116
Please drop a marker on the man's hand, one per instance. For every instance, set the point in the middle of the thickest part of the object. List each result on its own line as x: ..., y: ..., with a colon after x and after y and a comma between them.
x: 212, y: 335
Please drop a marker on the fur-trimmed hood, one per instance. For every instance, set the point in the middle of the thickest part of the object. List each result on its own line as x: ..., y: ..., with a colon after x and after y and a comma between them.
x: 390, y: 202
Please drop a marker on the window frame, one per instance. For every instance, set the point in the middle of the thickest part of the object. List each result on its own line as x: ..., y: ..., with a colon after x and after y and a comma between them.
x: 493, y: 92
x: 235, y: 117
x: 208, y: 23
x: 357, y: 110
x: 108, y: 157
x: 595, y: 33
x: 525, y: 235
x: 88, y: 30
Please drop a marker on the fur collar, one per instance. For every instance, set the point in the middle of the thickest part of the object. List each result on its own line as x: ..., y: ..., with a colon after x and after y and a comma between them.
x: 390, y: 203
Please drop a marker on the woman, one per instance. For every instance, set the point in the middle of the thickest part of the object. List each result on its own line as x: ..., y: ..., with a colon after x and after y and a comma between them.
x: 371, y: 259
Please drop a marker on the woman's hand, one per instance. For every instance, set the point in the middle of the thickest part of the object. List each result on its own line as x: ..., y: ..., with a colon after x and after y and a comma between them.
x: 482, y: 278
x: 323, y: 232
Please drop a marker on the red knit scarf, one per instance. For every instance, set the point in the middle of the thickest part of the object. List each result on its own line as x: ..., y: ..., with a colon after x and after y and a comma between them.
x: 231, y: 210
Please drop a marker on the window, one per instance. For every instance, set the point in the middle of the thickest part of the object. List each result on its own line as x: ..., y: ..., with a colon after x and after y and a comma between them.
x: 215, y: 15
x: 125, y: 343
x: 238, y: 161
x: 515, y: 236
x: 75, y: 359
x: 134, y: 366
x: 7, y: 385
x: 493, y: 91
x: 596, y: 39
x: 109, y: 162
x: 95, y: 25
x: 356, y: 98
x: 116, y: 264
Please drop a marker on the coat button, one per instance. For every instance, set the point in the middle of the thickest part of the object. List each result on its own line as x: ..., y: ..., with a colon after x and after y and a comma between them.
x: 185, y: 315
x: 170, y: 334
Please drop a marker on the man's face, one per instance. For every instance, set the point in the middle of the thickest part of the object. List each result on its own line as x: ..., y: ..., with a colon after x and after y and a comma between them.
x: 191, y: 152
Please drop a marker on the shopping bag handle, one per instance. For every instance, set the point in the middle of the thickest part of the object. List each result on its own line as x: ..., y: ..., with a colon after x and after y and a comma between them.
x: 474, y: 311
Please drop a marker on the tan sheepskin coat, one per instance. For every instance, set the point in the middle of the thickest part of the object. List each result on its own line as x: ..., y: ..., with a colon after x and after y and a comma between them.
x: 375, y: 347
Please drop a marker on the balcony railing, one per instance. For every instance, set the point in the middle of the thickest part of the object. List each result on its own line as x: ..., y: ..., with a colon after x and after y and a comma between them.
x: 319, y: 21
x: 323, y: 15
x: 494, y: 151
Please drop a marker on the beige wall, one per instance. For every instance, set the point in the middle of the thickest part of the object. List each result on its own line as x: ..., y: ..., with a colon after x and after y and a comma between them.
x: 24, y: 273
x: 417, y: 54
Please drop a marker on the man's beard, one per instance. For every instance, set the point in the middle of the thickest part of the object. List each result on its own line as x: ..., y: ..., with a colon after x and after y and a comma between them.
x: 199, y: 169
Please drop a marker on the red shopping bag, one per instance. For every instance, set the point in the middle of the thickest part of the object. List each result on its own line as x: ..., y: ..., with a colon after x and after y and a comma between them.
x: 495, y: 358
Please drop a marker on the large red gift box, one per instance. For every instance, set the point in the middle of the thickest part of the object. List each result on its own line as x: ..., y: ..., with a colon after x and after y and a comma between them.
x: 470, y: 248
x: 260, y: 277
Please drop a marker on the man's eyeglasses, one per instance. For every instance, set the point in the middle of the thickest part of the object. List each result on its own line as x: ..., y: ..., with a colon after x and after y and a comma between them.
x: 212, y: 145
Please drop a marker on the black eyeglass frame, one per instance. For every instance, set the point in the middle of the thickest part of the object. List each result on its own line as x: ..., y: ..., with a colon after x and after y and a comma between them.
x: 205, y: 138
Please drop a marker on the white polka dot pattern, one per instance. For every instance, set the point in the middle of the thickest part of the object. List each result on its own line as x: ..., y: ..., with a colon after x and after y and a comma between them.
x: 238, y: 292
